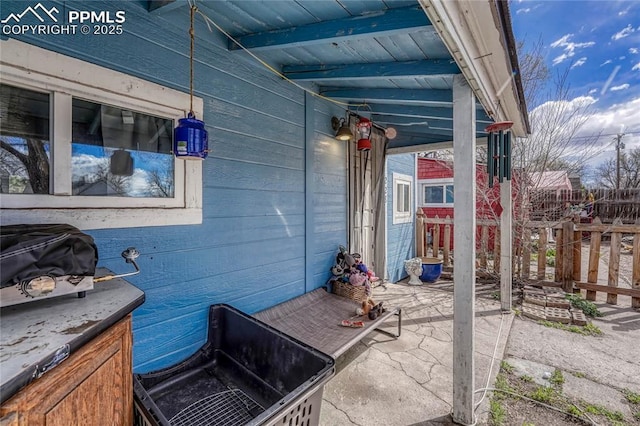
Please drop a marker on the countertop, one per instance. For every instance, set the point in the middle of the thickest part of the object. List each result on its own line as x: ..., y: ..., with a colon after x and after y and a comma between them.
x: 34, y: 334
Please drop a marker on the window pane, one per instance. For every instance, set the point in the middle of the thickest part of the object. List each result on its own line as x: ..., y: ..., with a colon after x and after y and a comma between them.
x: 449, y: 194
x: 433, y: 194
x: 407, y: 199
x: 399, y: 197
x: 118, y: 152
x: 24, y: 141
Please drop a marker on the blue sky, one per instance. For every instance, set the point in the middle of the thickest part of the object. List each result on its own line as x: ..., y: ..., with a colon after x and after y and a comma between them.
x: 599, y: 41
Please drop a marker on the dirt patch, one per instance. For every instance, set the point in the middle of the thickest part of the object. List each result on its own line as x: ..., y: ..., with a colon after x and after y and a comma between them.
x: 507, y: 409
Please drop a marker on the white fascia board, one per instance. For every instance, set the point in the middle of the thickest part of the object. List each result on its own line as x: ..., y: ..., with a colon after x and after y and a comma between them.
x: 471, y: 31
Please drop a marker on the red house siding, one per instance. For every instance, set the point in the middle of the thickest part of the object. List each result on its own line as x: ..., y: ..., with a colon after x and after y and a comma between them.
x: 486, y: 204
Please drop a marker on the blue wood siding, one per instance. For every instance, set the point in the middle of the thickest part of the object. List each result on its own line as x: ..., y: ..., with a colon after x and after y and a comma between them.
x: 252, y: 250
x: 400, y: 237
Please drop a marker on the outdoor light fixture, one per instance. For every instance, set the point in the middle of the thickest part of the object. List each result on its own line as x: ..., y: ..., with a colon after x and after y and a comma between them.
x: 190, y: 138
x: 343, y: 133
x: 390, y: 133
x: 364, y: 133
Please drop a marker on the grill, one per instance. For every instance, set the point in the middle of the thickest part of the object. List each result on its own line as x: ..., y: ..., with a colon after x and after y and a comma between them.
x: 43, y: 261
x: 232, y: 408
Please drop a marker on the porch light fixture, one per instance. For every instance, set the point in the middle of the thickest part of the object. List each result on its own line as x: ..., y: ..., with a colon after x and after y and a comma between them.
x: 190, y: 138
x: 364, y: 133
x: 339, y: 125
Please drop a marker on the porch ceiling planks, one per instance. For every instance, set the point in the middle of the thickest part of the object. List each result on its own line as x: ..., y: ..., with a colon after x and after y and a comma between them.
x: 394, y: 120
x: 386, y: 22
x: 422, y: 112
x: 432, y: 97
x: 166, y: 5
x: 380, y: 70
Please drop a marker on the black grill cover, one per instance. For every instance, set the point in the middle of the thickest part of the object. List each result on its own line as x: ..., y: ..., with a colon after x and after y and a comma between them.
x: 29, y: 251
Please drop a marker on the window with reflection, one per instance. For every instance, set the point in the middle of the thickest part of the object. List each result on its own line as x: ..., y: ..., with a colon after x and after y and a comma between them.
x: 24, y: 141
x: 120, y: 152
x: 438, y: 194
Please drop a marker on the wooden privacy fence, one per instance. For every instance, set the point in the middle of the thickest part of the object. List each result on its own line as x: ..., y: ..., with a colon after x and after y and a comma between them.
x: 609, y: 204
x: 568, y: 257
x: 429, y: 231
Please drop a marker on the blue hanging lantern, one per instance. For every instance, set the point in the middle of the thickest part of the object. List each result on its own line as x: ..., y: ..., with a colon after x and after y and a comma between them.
x: 190, y: 139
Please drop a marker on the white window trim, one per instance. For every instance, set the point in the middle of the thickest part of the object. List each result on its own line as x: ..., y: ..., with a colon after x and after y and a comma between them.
x: 402, y: 217
x: 434, y: 182
x: 39, y: 69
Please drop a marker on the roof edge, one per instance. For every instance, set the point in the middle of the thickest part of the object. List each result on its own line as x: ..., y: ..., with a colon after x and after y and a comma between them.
x: 478, y: 40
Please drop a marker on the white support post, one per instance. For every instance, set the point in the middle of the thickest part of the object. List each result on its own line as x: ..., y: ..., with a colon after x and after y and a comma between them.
x: 506, y: 245
x: 464, y: 240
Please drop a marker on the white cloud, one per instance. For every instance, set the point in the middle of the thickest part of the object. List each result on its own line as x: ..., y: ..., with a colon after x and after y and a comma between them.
x: 592, y: 91
x: 523, y: 10
x: 634, y: 50
x: 608, y: 61
x: 624, y: 86
x: 622, y: 58
x: 636, y: 67
x: 595, y: 121
x: 569, y: 47
x: 625, y: 32
x: 580, y: 62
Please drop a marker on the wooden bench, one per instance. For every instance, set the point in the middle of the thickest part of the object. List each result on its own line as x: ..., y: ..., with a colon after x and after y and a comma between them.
x: 314, y: 318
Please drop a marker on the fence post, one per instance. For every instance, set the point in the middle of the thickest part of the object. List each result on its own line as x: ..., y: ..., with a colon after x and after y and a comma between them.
x: 420, y: 233
x: 542, y: 252
x: 559, y: 255
x: 577, y: 255
x: 435, y: 240
x: 447, y: 243
x: 526, y: 253
x: 635, y: 278
x: 614, y: 263
x: 567, y: 257
x: 594, y: 259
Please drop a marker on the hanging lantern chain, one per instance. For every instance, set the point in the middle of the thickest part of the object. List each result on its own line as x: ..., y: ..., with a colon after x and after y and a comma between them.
x: 192, y: 35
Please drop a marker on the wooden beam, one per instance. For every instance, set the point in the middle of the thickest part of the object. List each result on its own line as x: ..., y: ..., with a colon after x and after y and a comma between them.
x: 432, y: 97
x: 426, y: 124
x: 608, y: 289
x: 385, y: 23
x: 464, y: 237
x: 418, y: 111
x: 369, y: 71
x: 162, y: 6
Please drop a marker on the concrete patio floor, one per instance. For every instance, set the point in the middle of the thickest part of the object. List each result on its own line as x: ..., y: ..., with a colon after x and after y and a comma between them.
x: 409, y: 381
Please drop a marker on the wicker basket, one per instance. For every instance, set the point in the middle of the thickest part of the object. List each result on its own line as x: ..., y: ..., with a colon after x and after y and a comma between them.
x: 353, y: 292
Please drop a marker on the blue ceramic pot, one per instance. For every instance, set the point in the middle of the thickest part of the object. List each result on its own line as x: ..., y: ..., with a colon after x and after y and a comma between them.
x: 431, y: 269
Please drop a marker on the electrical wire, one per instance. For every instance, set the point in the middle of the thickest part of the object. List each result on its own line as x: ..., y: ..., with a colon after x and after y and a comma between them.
x: 493, y: 358
x: 211, y: 22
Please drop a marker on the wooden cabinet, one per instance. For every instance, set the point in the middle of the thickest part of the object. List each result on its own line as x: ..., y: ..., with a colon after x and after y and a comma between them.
x: 92, y: 387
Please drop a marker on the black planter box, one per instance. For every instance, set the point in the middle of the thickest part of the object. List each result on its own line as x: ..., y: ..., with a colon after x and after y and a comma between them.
x: 246, y: 373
